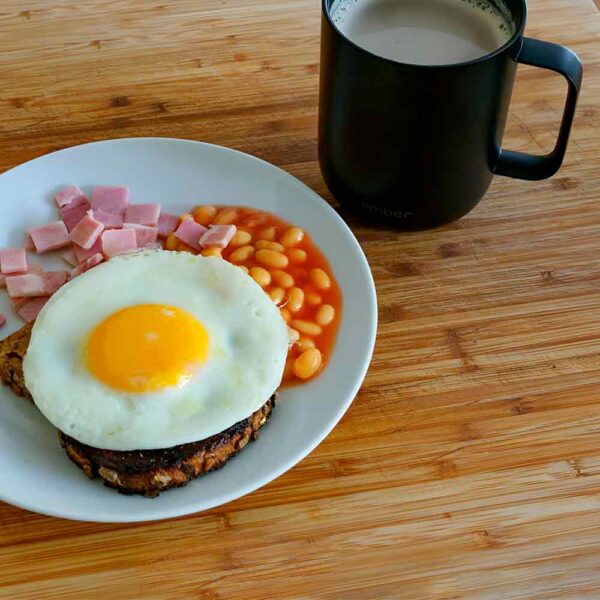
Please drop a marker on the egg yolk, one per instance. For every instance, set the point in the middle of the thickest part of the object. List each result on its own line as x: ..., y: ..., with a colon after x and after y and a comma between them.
x: 147, y: 347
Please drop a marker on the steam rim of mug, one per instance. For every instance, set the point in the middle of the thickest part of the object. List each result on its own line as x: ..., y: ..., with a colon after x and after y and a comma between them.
x: 518, y: 33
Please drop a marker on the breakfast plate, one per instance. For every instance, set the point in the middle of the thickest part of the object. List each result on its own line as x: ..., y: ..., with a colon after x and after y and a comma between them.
x: 35, y: 473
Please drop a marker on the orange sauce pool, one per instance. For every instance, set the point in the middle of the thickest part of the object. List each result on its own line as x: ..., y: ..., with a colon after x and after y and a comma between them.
x: 291, y: 269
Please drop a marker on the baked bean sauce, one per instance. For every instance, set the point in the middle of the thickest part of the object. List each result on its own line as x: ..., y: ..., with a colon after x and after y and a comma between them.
x: 290, y: 268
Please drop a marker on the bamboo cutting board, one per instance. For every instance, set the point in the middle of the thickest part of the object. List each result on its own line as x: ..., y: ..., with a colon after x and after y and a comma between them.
x: 469, y: 464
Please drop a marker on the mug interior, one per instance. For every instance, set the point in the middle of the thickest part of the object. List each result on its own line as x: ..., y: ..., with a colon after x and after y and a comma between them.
x: 517, y: 14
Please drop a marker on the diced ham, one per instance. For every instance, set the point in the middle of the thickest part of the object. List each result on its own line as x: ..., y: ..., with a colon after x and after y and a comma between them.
x: 82, y: 254
x: 2, y: 320
x: 86, y: 232
x: 50, y: 237
x: 2, y: 281
x: 190, y: 233
x: 92, y: 261
x: 25, y: 286
x: 167, y: 223
x: 110, y: 199
x: 35, y: 284
x: 18, y: 302
x: 117, y: 241
x: 218, y: 236
x: 13, y: 260
x: 53, y: 280
x: 143, y: 214
x: 67, y: 196
x: 74, y: 212
x: 31, y: 309
x: 70, y: 257
x: 109, y: 220
x: 143, y: 235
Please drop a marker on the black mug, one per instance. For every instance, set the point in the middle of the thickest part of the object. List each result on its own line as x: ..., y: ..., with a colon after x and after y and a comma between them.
x: 417, y: 146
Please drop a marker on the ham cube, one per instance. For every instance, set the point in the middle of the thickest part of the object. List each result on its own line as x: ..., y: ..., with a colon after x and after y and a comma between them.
x: 50, y: 237
x: 117, y: 241
x: 13, y: 260
x: 70, y: 257
x: 18, y: 302
x: 2, y: 281
x: 109, y: 220
x: 35, y: 284
x: 25, y: 286
x: 110, y: 199
x: 2, y: 320
x: 86, y: 265
x: 74, y: 212
x: 82, y: 254
x: 86, y: 232
x: 167, y: 224
x: 67, y: 196
x: 190, y: 233
x: 31, y: 309
x: 53, y: 280
x: 143, y: 214
x: 218, y: 236
x: 143, y: 235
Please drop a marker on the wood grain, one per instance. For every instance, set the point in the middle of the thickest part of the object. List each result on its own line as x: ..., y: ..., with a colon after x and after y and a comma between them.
x: 469, y: 464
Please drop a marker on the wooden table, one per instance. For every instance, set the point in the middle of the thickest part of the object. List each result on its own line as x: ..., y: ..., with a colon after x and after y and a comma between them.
x: 469, y: 464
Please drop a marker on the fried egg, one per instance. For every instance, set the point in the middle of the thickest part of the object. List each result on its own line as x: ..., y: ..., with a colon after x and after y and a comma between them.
x: 155, y: 349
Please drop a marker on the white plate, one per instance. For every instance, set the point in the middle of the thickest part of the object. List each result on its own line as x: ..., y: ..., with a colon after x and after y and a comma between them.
x: 34, y: 471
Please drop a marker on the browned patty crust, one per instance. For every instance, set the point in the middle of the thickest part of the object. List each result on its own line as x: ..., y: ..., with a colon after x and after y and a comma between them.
x: 146, y: 472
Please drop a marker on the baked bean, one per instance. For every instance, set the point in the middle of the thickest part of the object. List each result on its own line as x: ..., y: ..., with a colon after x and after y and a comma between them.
x: 277, y: 294
x: 305, y: 343
x: 295, y: 299
x: 264, y: 244
x: 285, y: 313
x: 307, y: 327
x: 212, y: 251
x: 308, y: 363
x: 172, y: 242
x: 313, y: 299
x: 245, y: 269
x: 297, y: 256
x: 294, y: 335
x: 255, y: 220
x: 270, y: 258
x: 183, y: 247
x: 241, y: 254
x: 226, y: 217
x: 240, y: 238
x: 266, y: 233
x: 325, y: 315
x: 292, y: 237
x: 320, y: 279
x: 282, y: 278
x: 205, y: 214
x: 261, y: 276
x: 186, y: 217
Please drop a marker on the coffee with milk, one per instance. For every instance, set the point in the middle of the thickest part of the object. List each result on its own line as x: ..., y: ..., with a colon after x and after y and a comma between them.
x: 425, y: 32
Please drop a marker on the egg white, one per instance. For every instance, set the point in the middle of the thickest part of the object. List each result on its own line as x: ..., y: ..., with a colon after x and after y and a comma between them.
x: 248, y: 349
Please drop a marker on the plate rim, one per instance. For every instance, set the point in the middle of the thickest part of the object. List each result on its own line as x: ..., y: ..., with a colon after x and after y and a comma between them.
x: 372, y: 325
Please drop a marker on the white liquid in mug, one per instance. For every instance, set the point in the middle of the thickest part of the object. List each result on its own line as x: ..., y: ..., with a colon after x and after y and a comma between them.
x: 425, y: 32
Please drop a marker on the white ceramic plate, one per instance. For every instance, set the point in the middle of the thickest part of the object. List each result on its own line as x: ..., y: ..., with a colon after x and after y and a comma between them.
x: 34, y: 471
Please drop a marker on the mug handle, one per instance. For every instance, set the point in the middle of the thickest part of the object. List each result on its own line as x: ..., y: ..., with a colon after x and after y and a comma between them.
x: 564, y: 61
